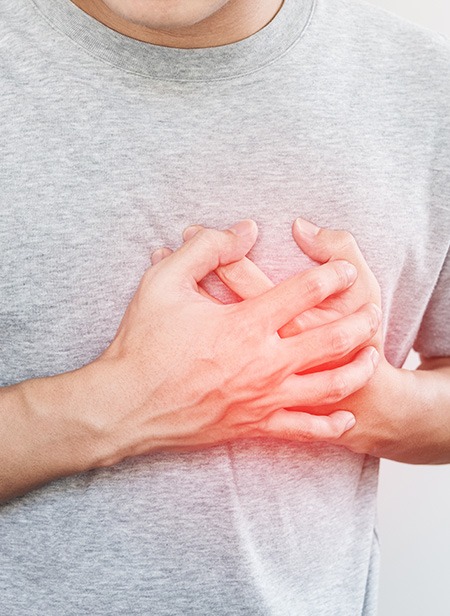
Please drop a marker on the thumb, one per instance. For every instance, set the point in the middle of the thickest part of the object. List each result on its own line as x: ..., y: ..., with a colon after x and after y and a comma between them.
x: 160, y: 254
x: 323, y: 244
x: 300, y: 426
x: 210, y: 248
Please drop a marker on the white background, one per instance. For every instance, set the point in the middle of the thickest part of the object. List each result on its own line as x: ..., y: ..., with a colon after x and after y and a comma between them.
x: 433, y: 14
x: 414, y: 500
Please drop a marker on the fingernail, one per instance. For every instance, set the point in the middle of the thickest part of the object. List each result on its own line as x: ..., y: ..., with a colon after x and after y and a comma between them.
x: 374, y: 356
x: 351, y: 422
x: 243, y: 227
x: 378, y: 311
x: 307, y: 228
x: 191, y: 231
x: 156, y: 256
x: 351, y: 271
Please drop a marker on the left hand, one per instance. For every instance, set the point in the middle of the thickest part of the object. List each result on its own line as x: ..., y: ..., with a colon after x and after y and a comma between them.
x: 380, y: 416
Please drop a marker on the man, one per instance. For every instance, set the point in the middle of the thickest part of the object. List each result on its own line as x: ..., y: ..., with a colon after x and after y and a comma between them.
x: 164, y: 453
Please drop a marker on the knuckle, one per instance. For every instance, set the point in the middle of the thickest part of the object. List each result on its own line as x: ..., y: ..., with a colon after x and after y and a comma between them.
x: 296, y: 435
x: 371, y: 364
x: 148, y: 280
x: 332, y: 431
x: 340, y: 342
x: 315, y: 287
x: 208, y: 236
x: 335, y: 432
x: 263, y: 427
x: 256, y: 429
x: 307, y: 435
x: 342, y: 275
x: 373, y: 318
x: 368, y: 373
x: 373, y: 322
x: 233, y: 272
x: 345, y: 238
x: 337, y: 389
x: 267, y: 427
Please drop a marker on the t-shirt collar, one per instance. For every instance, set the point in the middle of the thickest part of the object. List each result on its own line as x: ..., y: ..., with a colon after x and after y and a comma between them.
x: 175, y: 64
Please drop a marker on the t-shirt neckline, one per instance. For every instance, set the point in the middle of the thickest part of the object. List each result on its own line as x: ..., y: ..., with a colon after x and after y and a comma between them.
x: 175, y: 64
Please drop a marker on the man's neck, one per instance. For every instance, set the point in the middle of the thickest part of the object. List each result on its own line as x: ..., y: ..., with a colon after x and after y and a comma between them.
x: 234, y: 21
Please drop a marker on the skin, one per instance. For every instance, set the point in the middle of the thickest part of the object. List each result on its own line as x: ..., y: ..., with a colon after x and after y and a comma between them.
x: 171, y: 381
x: 401, y: 415
x: 48, y: 427
x: 193, y: 24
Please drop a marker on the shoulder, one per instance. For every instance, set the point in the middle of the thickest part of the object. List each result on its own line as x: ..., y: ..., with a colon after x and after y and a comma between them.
x: 393, y: 38
x: 407, y: 59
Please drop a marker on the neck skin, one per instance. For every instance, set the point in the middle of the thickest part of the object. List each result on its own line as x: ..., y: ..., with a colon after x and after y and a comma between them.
x: 185, y: 24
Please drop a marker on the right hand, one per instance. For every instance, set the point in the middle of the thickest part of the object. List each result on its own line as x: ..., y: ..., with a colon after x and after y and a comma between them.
x: 186, y: 373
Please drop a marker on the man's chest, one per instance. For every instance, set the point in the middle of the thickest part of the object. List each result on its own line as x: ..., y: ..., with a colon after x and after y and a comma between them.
x: 83, y: 213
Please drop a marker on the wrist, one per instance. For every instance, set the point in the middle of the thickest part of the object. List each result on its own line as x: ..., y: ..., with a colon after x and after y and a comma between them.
x: 417, y: 430
x: 61, y: 410
x: 430, y: 403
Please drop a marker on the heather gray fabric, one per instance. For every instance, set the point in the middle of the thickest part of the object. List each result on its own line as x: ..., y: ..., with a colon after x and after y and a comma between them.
x: 337, y: 111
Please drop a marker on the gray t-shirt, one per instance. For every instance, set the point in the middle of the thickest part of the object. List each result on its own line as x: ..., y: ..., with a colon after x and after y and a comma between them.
x: 337, y: 111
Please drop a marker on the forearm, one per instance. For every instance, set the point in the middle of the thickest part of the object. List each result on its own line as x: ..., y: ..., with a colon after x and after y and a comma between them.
x: 427, y: 408
x: 45, y: 432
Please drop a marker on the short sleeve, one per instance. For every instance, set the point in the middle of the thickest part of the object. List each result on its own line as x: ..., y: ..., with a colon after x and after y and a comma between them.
x: 433, y: 337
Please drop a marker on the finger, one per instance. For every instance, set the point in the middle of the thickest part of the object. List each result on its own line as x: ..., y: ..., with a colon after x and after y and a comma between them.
x: 244, y: 278
x: 322, y: 244
x: 286, y: 300
x: 159, y: 254
x: 330, y: 341
x: 247, y: 280
x: 328, y: 386
x: 315, y: 317
x: 303, y: 427
x: 209, y: 248
x: 191, y: 231
x: 205, y: 293
x: 329, y: 310
x: 187, y: 234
